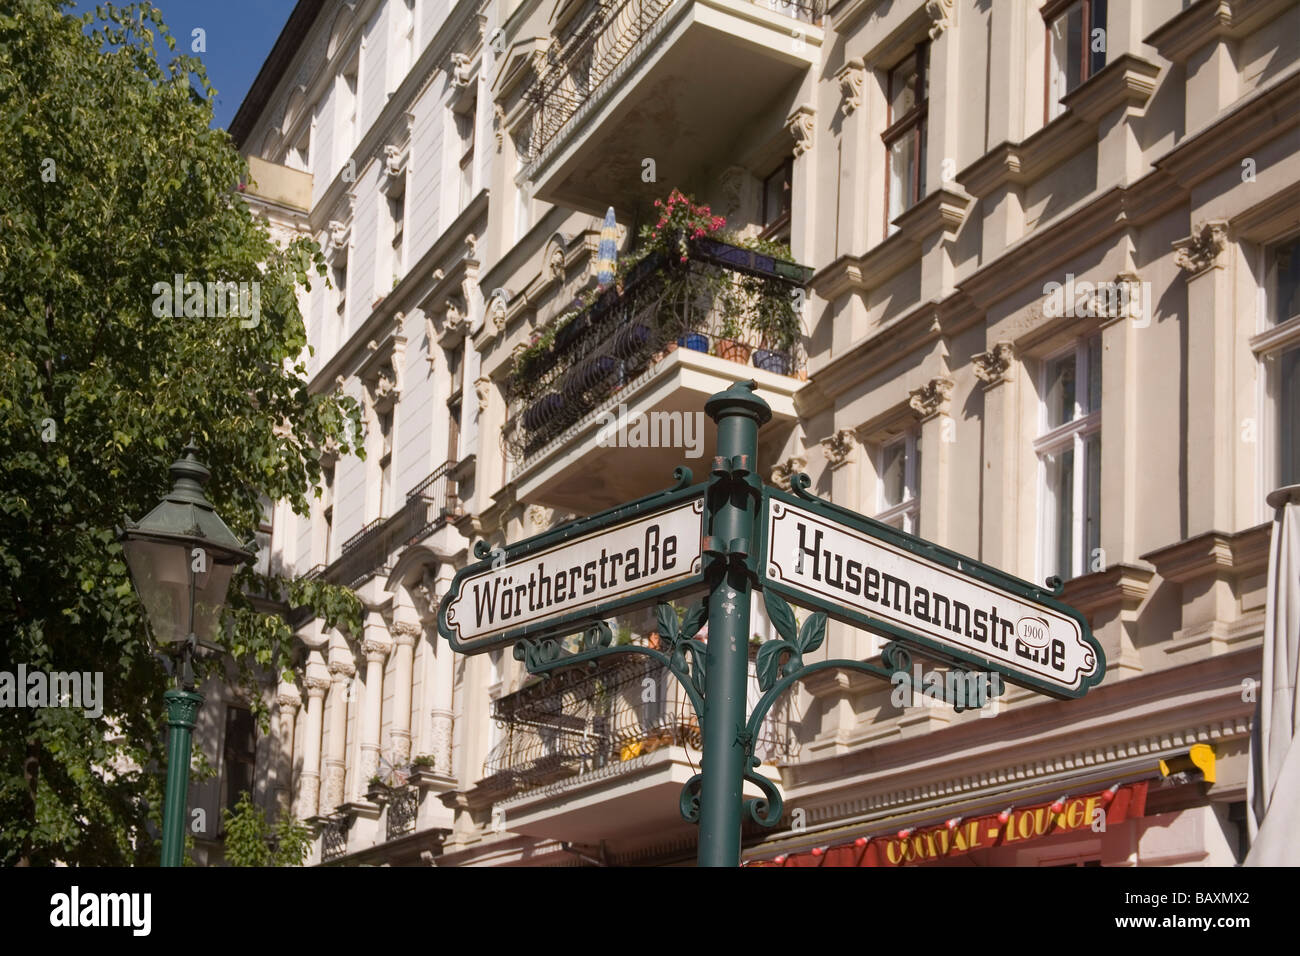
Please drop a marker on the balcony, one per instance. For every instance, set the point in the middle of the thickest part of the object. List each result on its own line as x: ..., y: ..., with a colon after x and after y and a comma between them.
x: 585, y: 754
x: 429, y: 505
x: 276, y: 185
x: 675, y: 334
x: 624, y: 79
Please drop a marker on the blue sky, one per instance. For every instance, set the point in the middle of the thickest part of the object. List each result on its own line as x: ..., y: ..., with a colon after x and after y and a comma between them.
x: 239, y: 36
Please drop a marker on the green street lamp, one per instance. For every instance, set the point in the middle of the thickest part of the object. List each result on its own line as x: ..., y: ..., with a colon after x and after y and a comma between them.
x: 181, y: 557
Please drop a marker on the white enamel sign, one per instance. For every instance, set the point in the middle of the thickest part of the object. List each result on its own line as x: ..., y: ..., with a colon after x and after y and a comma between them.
x: 869, y: 581
x: 535, y: 590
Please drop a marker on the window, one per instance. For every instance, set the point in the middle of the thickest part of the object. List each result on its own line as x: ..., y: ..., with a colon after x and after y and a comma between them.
x: 898, y: 481
x: 263, y: 538
x: 1076, y: 47
x: 240, y: 753
x: 397, y: 211
x: 776, y: 200
x: 340, y: 278
x: 1288, y: 446
x: 327, y: 512
x: 405, y: 41
x: 1283, y: 278
x: 385, y: 463
x: 905, y: 137
x: 1069, y: 457
x: 465, y: 130
x: 299, y: 155
x: 347, y: 89
x: 523, y: 200
x: 455, y: 365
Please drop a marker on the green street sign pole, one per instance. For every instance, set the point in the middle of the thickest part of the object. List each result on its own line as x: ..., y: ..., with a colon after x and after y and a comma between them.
x: 732, y: 506
x: 182, y: 713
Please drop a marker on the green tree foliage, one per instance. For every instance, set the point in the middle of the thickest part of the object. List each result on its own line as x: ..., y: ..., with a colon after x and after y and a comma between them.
x: 251, y: 841
x: 111, y: 181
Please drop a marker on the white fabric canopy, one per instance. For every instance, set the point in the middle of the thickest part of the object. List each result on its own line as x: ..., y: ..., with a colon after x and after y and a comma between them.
x: 1273, y: 787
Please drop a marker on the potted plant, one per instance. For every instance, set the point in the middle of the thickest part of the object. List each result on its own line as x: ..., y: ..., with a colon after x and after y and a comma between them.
x: 728, y: 345
x: 775, y: 321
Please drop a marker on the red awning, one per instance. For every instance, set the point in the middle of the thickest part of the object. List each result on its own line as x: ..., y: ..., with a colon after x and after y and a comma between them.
x: 957, y: 835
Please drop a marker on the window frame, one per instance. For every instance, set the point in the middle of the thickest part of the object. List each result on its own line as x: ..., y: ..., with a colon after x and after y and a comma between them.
x: 456, y: 358
x: 1073, y: 435
x: 1275, y: 338
x: 397, y: 200
x: 265, y: 527
x: 774, y: 225
x: 914, y: 122
x: 386, y: 424
x: 327, y: 509
x: 467, y: 134
x: 230, y: 756
x: 350, y: 81
x: 1051, y: 12
x: 909, y: 508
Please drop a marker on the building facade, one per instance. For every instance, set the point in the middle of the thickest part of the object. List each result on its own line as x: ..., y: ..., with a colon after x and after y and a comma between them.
x: 1040, y: 261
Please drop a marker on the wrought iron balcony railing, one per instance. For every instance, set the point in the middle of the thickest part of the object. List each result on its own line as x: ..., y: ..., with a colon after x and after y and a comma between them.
x: 334, y: 839
x: 711, y: 303
x: 583, y: 721
x: 403, y: 806
x: 429, y: 505
x: 596, y: 43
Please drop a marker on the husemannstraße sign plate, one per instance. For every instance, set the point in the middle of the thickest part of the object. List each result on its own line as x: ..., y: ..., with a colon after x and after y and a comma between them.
x: 870, y: 575
x: 577, y: 574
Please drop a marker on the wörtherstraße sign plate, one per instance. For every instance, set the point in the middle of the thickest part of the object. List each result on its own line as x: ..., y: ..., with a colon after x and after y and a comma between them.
x: 870, y: 575
x: 579, y: 573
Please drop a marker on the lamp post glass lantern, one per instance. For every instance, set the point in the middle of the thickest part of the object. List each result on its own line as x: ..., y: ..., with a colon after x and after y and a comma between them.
x: 181, y: 557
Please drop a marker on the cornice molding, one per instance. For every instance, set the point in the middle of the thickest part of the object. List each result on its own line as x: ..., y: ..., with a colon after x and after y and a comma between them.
x: 1181, y: 37
x: 1126, y: 82
x: 874, y: 352
x: 1213, y: 552
x: 1247, y: 125
x: 940, y: 213
x: 1125, y: 585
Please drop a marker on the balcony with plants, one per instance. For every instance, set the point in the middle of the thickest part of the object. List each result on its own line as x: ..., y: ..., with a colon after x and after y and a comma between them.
x: 691, y: 309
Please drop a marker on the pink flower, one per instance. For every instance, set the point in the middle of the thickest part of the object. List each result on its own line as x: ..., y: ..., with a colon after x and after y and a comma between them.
x: 683, y: 258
